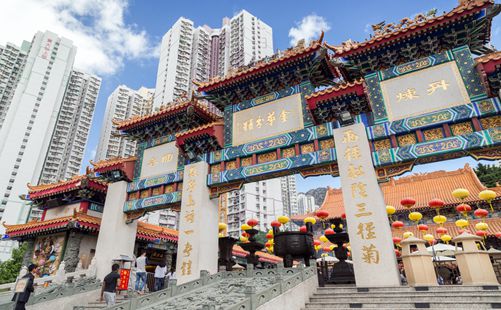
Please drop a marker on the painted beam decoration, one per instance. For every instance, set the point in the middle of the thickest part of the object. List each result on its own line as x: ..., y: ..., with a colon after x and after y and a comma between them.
x: 152, y: 203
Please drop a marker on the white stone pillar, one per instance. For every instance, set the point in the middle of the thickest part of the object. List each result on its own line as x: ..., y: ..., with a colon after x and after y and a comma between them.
x: 374, y: 260
x: 115, y: 236
x: 198, y: 226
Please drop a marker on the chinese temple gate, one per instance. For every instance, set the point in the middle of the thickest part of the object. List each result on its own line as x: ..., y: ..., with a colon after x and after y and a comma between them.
x: 365, y: 111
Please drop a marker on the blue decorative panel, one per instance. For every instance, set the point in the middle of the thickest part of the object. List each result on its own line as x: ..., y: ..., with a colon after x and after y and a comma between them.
x: 155, y: 181
x: 152, y: 203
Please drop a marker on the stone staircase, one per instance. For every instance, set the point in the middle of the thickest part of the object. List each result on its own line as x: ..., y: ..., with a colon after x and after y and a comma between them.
x: 440, y: 297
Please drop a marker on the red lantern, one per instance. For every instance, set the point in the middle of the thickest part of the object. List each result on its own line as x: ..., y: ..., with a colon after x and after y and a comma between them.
x: 436, y: 203
x: 329, y: 231
x: 408, y: 202
x: 246, y: 235
x: 397, y: 224
x: 322, y: 214
x: 343, y: 216
x: 267, y: 244
x: 303, y: 229
x: 498, y: 234
x: 269, y: 236
x: 481, y: 213
x: 422, y: 227
x: 252, y: 222
x: 481, y: 233
x: 441, y: 230
x: 463, y: 208
x: 317, y: 242
x: 326, y: 249
x: 397, y: 240
x: 275, y: 224
x: 397, y: 253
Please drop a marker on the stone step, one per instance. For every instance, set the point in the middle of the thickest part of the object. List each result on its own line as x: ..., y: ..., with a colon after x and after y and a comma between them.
x: 444, y: 288
x: 406, y: 294
x: 385, y: 304
x: 407, y: 299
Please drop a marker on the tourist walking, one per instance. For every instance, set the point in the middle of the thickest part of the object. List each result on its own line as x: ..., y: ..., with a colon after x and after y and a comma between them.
x: 171, y: 275
x: 27, y: 281
x: 140, y: 273
x: 109, y: 288
x: 160, y: 272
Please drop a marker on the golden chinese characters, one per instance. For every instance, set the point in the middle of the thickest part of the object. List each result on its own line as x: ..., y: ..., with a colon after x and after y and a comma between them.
x: 436, y: 85
x: 408, y: 94
x: 370, y: 254
x: 270, y: 120
x: 186, y: 268
x: 411, y: 93
x: 366, y: 231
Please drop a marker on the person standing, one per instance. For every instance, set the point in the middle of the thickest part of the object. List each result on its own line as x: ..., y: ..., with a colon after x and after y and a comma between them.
x: 160, y: 272
x: 108, y: 291
x: 171, y: 275
x: 141, y: 273
x: 22, y: 298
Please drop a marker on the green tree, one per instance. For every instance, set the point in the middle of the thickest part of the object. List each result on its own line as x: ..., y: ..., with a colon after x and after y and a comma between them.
x: 9, y: 270
x: 489, y: 175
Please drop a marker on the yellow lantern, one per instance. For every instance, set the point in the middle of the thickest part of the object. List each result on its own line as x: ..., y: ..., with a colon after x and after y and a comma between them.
x: 270, y: 232
x: 481, y: 226
x: 341, y: 226
x: 429, y: 237
x: 317, y: 247
x: 245, y: 227
x: 222, y: 226
x: 390, y: 210
x: 408, y: 234
x: 462, y: 223
x: 244, y: 239
x: 332, y: 247
x: 460, y: 193
x: 445, y: 238
x: 439, y: 219
x: 283, y: 219
x: 221, y: 235
x: 323, y: 239
x: 487, y: 195
x: 415, y: 216
x: 310, y: 219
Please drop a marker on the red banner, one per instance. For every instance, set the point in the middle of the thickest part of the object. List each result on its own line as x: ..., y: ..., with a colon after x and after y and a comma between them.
x: 124, y: 279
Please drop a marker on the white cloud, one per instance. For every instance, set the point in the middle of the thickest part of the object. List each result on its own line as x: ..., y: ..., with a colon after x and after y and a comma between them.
x: 309, y: 28
x: 97, y: 27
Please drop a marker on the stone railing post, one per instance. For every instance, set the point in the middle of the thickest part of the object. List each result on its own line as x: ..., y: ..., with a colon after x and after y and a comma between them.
x: 204, y: 276
x: 250, y: 292
x: 250, y: 270
x: 172, y: 283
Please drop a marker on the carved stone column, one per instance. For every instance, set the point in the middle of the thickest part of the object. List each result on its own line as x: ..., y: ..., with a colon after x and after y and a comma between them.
x: 72, y: 250
x: 28, y: 255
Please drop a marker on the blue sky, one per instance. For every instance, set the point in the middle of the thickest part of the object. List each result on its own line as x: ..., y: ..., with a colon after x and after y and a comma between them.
x: 118, y: 39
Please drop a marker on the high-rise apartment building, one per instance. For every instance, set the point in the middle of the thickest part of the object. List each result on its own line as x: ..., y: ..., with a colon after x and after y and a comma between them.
x: 289, y: 195
x: 192, y: 53
x: 305, y: 204
x: 29, y: 124
x: 260, y: 200
x: 67, y: 146
x: 122, y: 104
x: 12, y: 61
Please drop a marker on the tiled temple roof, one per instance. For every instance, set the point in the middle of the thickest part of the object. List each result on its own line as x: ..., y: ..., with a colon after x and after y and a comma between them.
x: 409, y: 27
x: 77, y: 182
x: 111, y: 162
x: 263, y: 257
x: 293, y: 53
x: 422, y: 187
x: 488, y: 57
x: 165, y: 112
x: 37, y: 227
